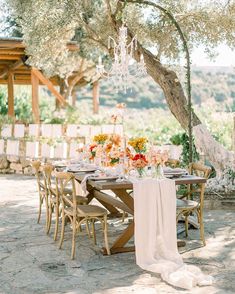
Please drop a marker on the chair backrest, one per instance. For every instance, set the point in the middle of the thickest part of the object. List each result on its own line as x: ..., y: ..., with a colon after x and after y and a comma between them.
x: 56, y: 131
x: 47, y: 151
x: 47, y: 172
x: 19, y: 130
x: 6, y: 131
x: 108, y: 129
x: 73, y: 147
x: 84, y: 131
x: 63, y: 180
x: 118, y: 130
x: 60, y: 150
x: 12, y: 147
x: 202, y: 171
x: 40, y: 180
x: 2, y: 144
x: 95, y: 130
x: 34, y: 130
x: 199, y: 170
x: 32, y: 149
x: 72, y: 131
x: 47, y: 130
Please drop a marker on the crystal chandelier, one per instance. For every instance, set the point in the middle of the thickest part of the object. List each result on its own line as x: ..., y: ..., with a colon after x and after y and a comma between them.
x: 124, y: 69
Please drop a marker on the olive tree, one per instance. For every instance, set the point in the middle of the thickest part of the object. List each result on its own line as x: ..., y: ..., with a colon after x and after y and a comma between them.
x: 48, y: 25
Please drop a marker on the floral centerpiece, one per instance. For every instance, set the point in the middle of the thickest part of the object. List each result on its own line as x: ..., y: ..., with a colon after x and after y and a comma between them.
x: 139, y: 144
x: 92, y: 150
x: 114, y: 156
x: 139, y: 162
x: 157, y: 160
x: 115, y: 139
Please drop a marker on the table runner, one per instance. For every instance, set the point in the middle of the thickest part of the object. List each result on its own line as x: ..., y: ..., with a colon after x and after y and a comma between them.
x: 155, y: 234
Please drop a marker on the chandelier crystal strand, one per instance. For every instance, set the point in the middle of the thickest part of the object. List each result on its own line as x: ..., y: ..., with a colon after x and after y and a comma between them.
x: 123, y: 70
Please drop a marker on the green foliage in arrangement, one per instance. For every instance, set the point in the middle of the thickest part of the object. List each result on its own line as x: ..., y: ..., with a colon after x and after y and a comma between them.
x: 185, y: 152
x: 176, y: 139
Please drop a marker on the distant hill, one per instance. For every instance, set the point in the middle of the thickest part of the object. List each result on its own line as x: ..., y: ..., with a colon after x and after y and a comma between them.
x: 214, y: 86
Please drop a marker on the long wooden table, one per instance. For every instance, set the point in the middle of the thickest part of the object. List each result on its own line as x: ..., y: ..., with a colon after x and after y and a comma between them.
x: 123, y: 201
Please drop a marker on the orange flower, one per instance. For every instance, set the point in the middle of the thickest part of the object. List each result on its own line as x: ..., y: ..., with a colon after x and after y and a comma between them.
x: 115, y: 139
x: 121, y: 105
x: 108, y: 147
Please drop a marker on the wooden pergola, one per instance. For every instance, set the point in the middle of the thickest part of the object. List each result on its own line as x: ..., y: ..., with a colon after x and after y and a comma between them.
x: 14, y: 71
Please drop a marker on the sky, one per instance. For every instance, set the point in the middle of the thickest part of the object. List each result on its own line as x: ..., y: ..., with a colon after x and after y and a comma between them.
x: 226, y: 57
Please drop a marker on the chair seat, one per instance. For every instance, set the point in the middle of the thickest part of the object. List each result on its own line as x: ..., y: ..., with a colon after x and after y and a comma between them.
x: 186, y: 204
x: 88, y: 210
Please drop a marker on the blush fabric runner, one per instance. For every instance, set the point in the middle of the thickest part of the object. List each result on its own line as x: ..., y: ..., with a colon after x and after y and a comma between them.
x: 156, y: 237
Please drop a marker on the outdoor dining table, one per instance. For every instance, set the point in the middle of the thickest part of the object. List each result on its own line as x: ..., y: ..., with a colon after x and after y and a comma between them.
x: 124, y: 201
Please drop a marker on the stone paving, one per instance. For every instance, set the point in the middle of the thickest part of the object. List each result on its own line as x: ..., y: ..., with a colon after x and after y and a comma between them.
x: 30, y: 261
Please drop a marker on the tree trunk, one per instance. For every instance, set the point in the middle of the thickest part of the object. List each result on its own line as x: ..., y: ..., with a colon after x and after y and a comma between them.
x: 62, y: 86
x: 219, y: 157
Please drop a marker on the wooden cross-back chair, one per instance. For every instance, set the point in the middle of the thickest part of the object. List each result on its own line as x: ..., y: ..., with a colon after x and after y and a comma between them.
x: 42, y: 190
x: 78, y: 214
x: 54, y: 200
x: 186, y: 206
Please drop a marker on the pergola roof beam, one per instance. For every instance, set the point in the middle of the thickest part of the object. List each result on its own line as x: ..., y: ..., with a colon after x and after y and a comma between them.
x: 11, y: 68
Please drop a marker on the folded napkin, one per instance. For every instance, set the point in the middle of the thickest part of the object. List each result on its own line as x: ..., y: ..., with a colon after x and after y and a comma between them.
x: 84, y: 183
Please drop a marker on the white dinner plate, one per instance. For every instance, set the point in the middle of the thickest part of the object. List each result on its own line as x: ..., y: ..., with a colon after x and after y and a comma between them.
x: 81, y: 170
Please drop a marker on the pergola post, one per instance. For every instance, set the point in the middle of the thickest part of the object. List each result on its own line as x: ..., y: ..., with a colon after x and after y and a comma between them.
x: 10, y: 87
x: 35, y: 98
x: 96, y: 94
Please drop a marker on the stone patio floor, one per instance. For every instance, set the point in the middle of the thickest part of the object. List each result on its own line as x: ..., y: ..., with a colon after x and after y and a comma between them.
x: 30, y: 261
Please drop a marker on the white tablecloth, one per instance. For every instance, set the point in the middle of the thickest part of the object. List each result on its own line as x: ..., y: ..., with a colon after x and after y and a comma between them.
x: 155, y: 234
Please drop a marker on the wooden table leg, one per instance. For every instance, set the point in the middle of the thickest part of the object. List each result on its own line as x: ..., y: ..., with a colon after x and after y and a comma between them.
x: 118, y: 245
x: 114, y: 212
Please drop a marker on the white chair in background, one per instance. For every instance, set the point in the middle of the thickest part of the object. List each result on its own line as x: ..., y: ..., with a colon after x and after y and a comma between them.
x: 107, y: 129
x: 72, y: 131
x: 56, y: 131
x: 2, y: 144
x: 19, y: 130
x: 60, y: 150
x: 32, y: 150
x: 34, y: 130
x: 12, y: 148
x: 47, y: 130
x: 6, y: 131
x: 84, y: 131
x: 73, y: 153
x: 95, y: 130
x: 119, y: 130
x: 47, y: 151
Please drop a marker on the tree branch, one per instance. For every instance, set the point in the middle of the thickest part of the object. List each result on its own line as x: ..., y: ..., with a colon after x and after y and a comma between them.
x: 109, y: 10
